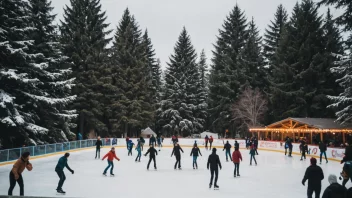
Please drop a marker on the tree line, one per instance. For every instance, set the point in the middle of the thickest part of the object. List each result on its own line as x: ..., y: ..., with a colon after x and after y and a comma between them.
x: 58, y: 80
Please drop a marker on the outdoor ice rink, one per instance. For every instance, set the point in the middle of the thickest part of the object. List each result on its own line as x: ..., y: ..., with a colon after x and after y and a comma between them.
x: 275, y: 176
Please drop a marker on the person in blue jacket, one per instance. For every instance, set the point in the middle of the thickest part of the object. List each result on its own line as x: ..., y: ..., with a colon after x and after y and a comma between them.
x: 139, y: 150
x: 158, y: 139
x: 130, y: 147
x: 79, y: 135
x: 59, y: 169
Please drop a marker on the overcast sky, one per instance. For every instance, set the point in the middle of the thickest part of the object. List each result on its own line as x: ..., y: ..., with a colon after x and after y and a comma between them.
x: 202, y: 18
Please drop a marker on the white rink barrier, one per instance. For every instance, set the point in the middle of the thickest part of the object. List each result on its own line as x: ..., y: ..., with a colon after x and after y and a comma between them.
x: 335, y: 154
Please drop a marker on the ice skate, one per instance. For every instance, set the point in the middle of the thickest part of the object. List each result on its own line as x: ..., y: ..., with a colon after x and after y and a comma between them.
x: 210, y: 185
x: 238, y: 175
x: 104, y: 174
x: 155, y: 168
x: 216, y: 187
x: 179, y: 168
x: 194, y: 167
x: 234, y: 175
x: 112, y: 175
x: 60, y: 191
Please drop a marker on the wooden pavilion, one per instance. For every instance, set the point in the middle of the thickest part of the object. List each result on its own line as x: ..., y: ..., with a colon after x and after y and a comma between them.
x: 303, y: 127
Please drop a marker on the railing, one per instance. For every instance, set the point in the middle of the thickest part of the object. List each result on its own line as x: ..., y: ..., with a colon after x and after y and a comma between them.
x: 14, y: 154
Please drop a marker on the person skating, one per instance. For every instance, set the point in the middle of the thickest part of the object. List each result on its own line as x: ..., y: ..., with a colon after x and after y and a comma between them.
x: 252, y: 153
x: 142, y: 142
x: 59, y: 169
x: 110, y: 155
x: 127, y: 140
x: 130, y: 147
x: 236, y: 157
x: 206, y: 140
x: 247, y: 142
x: 210, y: 142
x: 16, y: 172
x: 255, y: 141
x: 323, y: 148
x: 290, y: 147
x: 237, y: 145
x: 347, y: 167
x: 159, y: 142
x: 152, y: 141
x: 214, y: 163
x: 139, y: 150
x: 304, y: 149
x: 286, y: 144
x: 177, y: 152
x: 314, y: 174
x: 195, y: 151
x: 335, y: 190
x: 152, y: 152
x: 227, y: 146
x: 174, y: 140
x: 98, y: 145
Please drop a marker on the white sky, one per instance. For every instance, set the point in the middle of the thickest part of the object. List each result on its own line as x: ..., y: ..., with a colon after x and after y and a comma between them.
x: 202, y: 18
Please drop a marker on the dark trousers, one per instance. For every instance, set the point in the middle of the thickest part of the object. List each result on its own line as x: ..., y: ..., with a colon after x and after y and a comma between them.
x: 212, y: 171
x: 130, y: 152
x: 195, y: 161
x: 13, y: 183
x: 228, y: 153
x: 62, y: 177
x: 178, y: 161
x: 139, y: 156
x: 110, y: 164
x: 210, y: 143
x: 290, y: 152
x: 237, y: 169
x: 256, y: 149
x: 206, y: 144
x: 316, y: 192
x: 303, y: 155
x: 253, y: 157
x: 150, y: 159
x: 97, y: 153
x: 321, y: 155
x: 285, y: 151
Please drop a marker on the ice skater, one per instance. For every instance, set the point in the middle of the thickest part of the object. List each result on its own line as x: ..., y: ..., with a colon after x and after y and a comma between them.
x: 142, y: 142
x: 177, y: 153
x: 347, y: 167
x: 110, y: 155
x: 210, y: 142
x: 152, y: 152
x: 214, y: 163
x: 159, y: 140
x: 59, y: 169
x: 236, y: 157
x: 290, y: 147
x: 286, y: 145
x: 237, y: 145
x: 227, y: 146
x: 314, y: 174
x: 139, y: 150
x: 304, y: 149
x: 252, y: 153
x: 16, y: 172
x: 206, y: 140
x: 130, y: 147
x: 195, y: 151
x: 98, y: 145
x: 323, y: 148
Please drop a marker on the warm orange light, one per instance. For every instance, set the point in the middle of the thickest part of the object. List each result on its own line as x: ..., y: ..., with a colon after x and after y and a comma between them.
x: 301, y: 130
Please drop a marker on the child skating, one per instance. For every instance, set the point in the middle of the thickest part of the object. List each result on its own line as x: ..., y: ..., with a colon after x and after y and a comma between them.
x: 110, y: 155
x: 194, y: 152
x: 252, y: 153
x: 130, y: 147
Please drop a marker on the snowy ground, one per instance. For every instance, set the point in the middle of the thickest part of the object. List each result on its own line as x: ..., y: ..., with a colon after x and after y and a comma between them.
x: 275, y: 175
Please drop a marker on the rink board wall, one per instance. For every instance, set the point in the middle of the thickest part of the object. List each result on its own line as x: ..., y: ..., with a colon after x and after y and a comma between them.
x: 331, y: 153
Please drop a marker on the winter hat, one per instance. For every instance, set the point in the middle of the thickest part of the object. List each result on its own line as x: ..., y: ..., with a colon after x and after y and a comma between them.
x: 214, y: 150
x: 332, y: 179
x: 67, y: 154
x: 313, y: 161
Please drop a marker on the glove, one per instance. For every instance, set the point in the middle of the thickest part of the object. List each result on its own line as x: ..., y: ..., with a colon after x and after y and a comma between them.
x: 73, y: 172
x: 303, y: 183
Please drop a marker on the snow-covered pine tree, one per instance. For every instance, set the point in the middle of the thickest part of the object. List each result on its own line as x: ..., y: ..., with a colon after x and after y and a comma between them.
x: 202, y: 93
x: 132, y: 109
x: 84, y: 37
x: 346, y: 18
x: 56, y: 83
x: 225, y: 74
x: 252, y: 61
x: 179, y: 99
x: 272, y: 34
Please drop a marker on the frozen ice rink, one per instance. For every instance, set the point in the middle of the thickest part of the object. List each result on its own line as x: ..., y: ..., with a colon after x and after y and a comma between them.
x: 275, y: 176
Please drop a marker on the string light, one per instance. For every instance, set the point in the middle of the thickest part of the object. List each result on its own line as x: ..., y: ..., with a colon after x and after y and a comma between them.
x: 300, y: 130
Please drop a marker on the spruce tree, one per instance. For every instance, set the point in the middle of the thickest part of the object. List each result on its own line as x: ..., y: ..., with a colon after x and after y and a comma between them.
x: 202, y: 93
x: 346, y: 18
x: 129, y: 60
x: 273, y: 32
x: 302, y: 57
x: 179, y: 99
x: 226, y: 75
x: 83, y: 34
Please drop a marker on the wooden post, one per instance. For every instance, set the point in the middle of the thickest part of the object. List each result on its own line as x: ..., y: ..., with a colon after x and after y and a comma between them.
x: 311, y: 137
x: 321, y: 137
x: 258, y: 135
x: 343, y: 137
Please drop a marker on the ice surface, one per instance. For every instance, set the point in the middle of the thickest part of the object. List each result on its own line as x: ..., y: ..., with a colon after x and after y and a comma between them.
x: 275, y: 176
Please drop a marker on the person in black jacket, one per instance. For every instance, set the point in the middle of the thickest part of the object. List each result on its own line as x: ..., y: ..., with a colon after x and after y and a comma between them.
x: 194, y: 152
x: 335, y: 190
x: 177, y: 153
x: 237, y: 145
x: 152, y: 154
x: 314, y: 174
x: 227, y: 146
x: 152, y: 141
x: 347, y: 167
x: 98, y: 145
x: 290, y: 147
x: 322, y: 148
x: 214, y: 163
x: 256, y: 145
x: 304, y: 149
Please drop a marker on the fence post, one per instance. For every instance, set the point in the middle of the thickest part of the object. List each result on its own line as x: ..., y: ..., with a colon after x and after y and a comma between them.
x: 32, y: 150
x: 20, y: 151
x: 69, y: 145
x: 62, y: 147
x: 44, y: 149
x: 8, y: 154
x: 80, y: 144
x: 55, y: 148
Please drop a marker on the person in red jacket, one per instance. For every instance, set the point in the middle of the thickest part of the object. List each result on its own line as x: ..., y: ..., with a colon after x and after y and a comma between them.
x: 210, y: 141
x: 206, y: 139
x: 110, y: 155
x: 236, y: 157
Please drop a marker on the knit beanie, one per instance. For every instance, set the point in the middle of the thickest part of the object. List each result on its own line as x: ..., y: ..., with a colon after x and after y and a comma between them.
x: 332, y: 179
x: 214, y: 150
x: 313, y: 161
